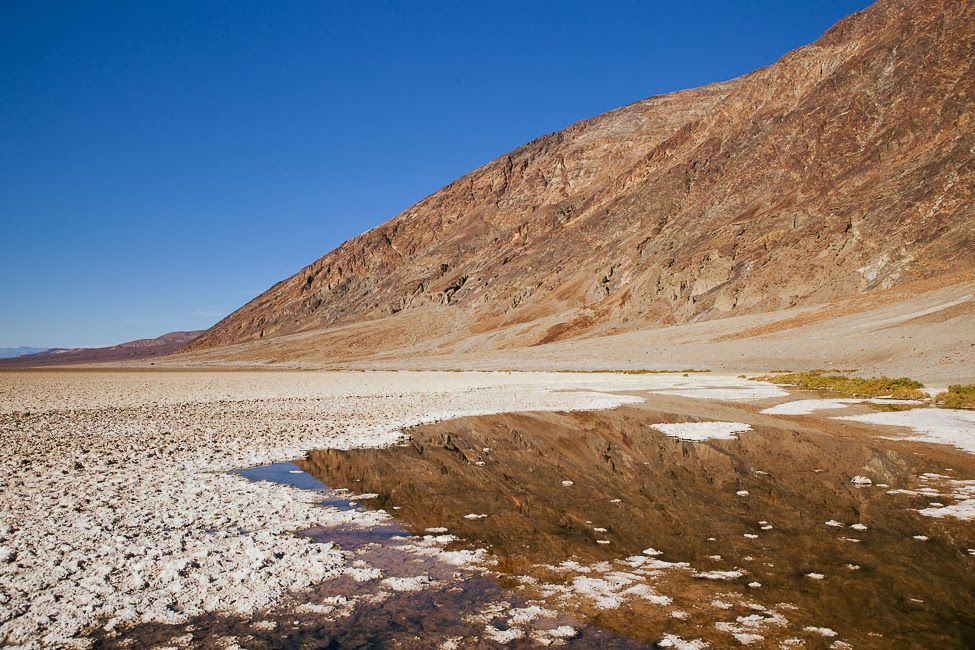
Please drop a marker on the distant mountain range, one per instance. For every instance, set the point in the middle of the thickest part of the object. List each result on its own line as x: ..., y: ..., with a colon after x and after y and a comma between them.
x: 131, y: 351
x: 8, y: 353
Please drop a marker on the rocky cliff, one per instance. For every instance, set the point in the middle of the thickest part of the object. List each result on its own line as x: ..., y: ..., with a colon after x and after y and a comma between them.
x: 845, y: 167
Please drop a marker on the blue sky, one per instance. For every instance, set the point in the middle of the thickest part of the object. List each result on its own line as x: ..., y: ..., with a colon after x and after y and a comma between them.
x: 164, y: 162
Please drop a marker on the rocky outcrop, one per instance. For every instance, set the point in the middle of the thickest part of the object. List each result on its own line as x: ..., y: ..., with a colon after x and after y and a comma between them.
x: 846, y: 167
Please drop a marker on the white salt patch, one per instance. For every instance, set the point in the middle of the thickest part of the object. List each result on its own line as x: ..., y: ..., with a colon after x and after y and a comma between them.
x: 720, y: 604
x: 472, y: 516
x: 603, y: 593
x: 680, y: 615
x: 861, y: 481
x: 746, y: 629
x: 599, y: 530
x: 646, y: 593
x: 570, y: 565
x: 834, y: 523
x: 822, y: 631
x: 523, y: 615
x: 567, y: 483
x: 742, y: 493
x: 944, y: 426
x: 962, y: 491
x: 750, y: 536
x: 853, y: 567
x: 858, y: 527
x: 674, y: 641
x: 720, y: 575
x: 503, y: 636
x: 815, y: 576
x: 754, y: 585
x: 743, y: 392
x: 413, y: 583
x: 295, y: 471
x: 700, y: 431
x: 553, y: 636
x: 436, y: 530
x: 921, y: 538
x: 808, y: 406
x: 768, y: 527
x: 363, y: 574
x: 652, y: 551
x: 602, y: 541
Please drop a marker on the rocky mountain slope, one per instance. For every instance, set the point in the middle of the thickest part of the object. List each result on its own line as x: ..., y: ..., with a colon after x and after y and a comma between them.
x: 845, y: 168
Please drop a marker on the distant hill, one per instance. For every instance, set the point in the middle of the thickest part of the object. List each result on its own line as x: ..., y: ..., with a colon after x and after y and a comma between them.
x: 9, y: 353
x: 842, y: 171
x: 131, y: 351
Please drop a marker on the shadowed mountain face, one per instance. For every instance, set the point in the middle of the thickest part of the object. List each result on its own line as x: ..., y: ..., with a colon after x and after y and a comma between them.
x: 846, y: 167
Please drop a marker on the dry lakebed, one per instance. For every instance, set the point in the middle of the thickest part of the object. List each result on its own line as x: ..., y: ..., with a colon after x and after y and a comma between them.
x: 312, y: 509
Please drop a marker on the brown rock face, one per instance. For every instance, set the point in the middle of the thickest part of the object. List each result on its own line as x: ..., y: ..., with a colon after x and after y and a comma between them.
x: 845, y: 167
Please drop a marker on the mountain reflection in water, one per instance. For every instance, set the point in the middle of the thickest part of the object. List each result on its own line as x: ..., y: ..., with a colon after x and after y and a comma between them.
x: 749, y: 515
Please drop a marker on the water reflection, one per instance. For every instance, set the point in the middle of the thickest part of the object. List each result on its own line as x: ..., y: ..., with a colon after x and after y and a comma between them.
x: 573, y: 505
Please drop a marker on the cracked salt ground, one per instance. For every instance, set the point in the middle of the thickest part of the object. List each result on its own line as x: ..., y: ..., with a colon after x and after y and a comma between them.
x: 134, y: 533
x: 117, y: 508
x: 397, y: 590
x: 691, y: 561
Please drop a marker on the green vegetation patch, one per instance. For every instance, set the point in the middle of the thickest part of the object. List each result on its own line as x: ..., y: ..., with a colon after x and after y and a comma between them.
x: 957, y: 397
x: 902, y: 388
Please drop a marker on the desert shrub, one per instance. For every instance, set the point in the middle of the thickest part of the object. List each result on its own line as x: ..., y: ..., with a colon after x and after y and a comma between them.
x: 957, y: 397
x: 900, y: 388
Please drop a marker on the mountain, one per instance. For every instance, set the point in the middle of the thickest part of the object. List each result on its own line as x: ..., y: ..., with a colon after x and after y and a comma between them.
x: 843, y: 171
x: 8, y: 353
x: 131, y: 351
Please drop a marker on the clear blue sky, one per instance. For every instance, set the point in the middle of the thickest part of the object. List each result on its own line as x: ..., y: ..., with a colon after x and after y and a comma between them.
x: 161, y: 163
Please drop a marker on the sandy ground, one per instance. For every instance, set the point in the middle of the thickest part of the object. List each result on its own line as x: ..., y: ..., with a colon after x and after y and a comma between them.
x: 927, y: 335
x: 116, y: 503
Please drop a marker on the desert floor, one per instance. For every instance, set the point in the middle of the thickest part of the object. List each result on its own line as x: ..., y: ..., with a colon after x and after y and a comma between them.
x: 123, y: 521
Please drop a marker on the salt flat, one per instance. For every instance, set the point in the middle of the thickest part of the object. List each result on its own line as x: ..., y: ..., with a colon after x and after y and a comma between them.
x: 116, y: 503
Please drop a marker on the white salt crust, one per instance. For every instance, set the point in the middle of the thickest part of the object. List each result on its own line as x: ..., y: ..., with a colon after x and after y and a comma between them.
x: 116, y: 502
x: 701, y: 431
